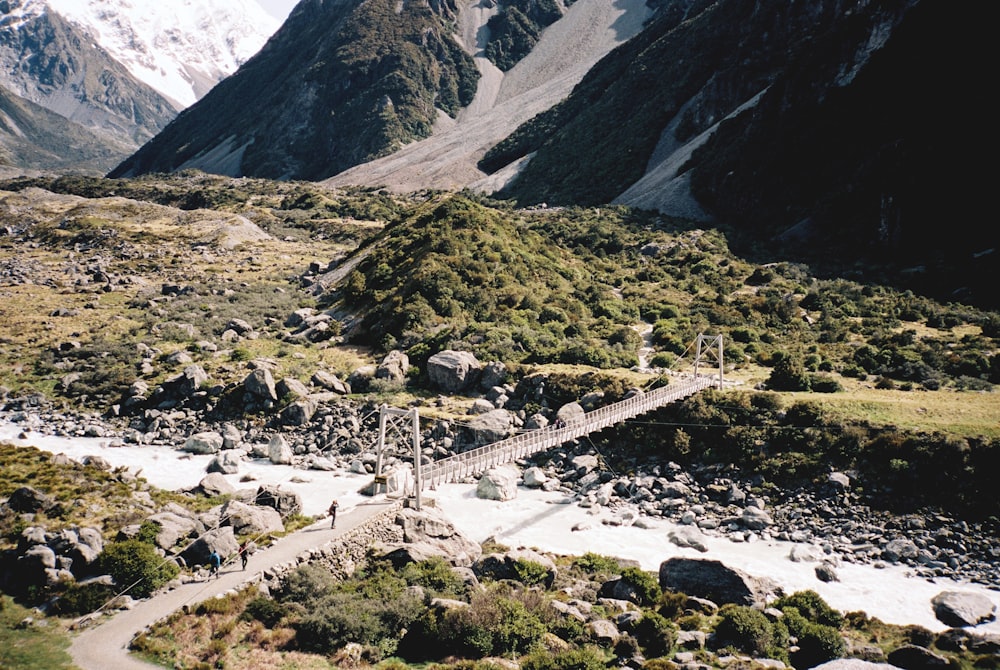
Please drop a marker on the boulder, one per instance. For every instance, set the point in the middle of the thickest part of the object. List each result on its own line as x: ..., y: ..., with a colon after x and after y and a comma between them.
x: 221, y: 539
x: 173, y: 528
x: 226, y: 463
x: 960, y: 608
x: 711, y: 579
x: 913, y: 657
x: 260, y: 383
x: 689, y: 537
x: 393, y: 367
x: 214, y: 484
x: 291, y: 388
x: 897, y: 550
x: 278, y: 451
x: 204, y: 443
x: 570, y: 412
x: 251, y: 519
x: 330, y: 382
x: 534, y: 477
x: 453, y: 371
x: 490, y: 427
x: 755, y: 518
x: 429, y: 527
x: 286, y: 502
x: 26, y: 500
x: 300, y: 412
x: 493, y: 374
x: 499, y: 483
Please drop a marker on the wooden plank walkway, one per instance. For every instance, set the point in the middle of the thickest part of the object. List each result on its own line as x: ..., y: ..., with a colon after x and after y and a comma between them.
x: 478, y: 460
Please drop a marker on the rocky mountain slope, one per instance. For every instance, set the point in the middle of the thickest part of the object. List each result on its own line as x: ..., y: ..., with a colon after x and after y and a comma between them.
x: 182, y: 48
x: 116, y: 72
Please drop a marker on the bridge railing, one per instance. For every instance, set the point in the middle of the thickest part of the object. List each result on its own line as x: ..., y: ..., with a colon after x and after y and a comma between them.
x: 480, y: 459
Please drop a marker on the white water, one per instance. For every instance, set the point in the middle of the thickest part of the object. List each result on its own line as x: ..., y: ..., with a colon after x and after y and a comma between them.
x: 544, y: 521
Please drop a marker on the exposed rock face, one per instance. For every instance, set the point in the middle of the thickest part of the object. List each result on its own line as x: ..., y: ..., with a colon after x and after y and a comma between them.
x: 453, y: 371
x: 713, y: 580
x: 260, y: 384
x: 955, y: 608
x: 220, y: 539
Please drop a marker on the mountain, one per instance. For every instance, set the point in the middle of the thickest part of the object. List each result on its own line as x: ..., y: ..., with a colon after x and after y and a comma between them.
x: 117, y: 72
x: 52, y: 62
x: 815, y: 131
x: 31, y: 135
x: 181, y: 48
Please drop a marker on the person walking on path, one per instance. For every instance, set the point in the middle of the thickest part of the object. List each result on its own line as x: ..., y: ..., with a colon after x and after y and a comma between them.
x: 333, y: 513
x: 214, y: 562
x: 244, y: 553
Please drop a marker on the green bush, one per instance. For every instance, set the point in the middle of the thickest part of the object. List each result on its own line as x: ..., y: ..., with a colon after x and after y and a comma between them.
x: 135, y: 566
x: 812, y: 607
x: 532, y: 573
x: 82, y: 599
x: 646, y: 584
x: 266, y: 610
x: 492, y: 625
x: 435, y: 575
x: 745, y: 629
x: 583, y: 658
x: 655, y: 634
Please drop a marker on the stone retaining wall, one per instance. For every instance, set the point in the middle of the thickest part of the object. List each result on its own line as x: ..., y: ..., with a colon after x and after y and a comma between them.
x: 343, y: 555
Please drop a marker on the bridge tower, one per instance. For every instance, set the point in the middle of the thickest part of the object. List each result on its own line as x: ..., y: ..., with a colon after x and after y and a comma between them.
x: 709, y: 346
x: 396, y: 420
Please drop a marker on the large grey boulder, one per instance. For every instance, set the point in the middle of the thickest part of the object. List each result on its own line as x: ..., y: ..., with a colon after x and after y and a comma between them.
x: 913, y: 657
x: 330, y: 382
x: 570, y: 412
x: 429, y: 529
x: 393, y: 367
x: 260, y: 383
x: 499, y: 483
x: 214, y: 484
x: 221, y: 539
x: 226, y: 463
x: 291, y: 388
x: 286, y: 502
x: 490, y: 427
x: 453, y: 371
x: 278, y: 451
x: 251, y: 519
x: 688, y: 537
x: 300, y: 412
x: 173, y: 528
x: 713, y: 580
x: 204, y: 443
x: 901, y: 549
x: 29, y: 500
x: 962, y: 608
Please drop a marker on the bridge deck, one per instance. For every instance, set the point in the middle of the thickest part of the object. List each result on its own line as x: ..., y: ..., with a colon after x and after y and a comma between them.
x: 475, y: 461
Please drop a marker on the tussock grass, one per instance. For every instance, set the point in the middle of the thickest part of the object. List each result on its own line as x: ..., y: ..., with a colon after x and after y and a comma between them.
x: 41, y: 646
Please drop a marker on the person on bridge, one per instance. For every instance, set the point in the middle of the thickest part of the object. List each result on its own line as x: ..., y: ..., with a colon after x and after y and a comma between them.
x: 214, y: 563
x: 333, y: 513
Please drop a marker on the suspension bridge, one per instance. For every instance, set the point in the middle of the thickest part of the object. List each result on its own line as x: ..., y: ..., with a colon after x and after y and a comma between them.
x: 406, y: 482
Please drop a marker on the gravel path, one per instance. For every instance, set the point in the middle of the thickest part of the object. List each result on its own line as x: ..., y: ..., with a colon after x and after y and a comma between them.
x: 566, y: 51
x: 103, y: 644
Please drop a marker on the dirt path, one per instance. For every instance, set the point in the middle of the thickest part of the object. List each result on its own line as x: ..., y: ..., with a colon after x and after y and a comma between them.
x: 103, y: 645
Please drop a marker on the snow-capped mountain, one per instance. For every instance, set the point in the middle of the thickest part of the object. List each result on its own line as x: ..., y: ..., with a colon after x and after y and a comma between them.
x: 181, y: 48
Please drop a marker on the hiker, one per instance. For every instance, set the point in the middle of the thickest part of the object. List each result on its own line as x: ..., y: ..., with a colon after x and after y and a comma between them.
x: 244, y: 553
x: 214, y: 562
x: 333, y: 513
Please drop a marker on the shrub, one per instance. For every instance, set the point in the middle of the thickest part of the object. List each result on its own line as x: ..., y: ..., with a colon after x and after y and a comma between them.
x: 583, y: 658
x: 266, y: 610
x: 492, y: 625
x: 812, y: 607
x: 82, y: 599
x: 136, y: 566
x: 435, y: 575
x: 646, y: 585
x: 745, y: 629
x: 655, y: 634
